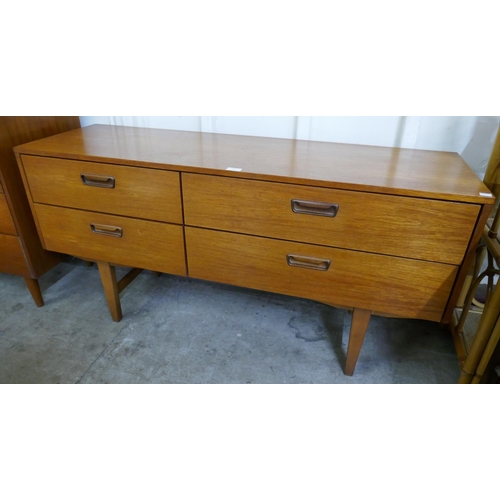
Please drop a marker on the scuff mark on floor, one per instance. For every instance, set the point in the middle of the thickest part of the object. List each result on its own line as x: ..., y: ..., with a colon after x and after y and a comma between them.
x: 304, y: 330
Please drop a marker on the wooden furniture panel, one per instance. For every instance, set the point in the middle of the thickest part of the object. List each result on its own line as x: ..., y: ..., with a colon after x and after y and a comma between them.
x: 137, y: 192
x: 6, y: 222
x: 393, y: 285
x: 407, y: 172
x: 392, y: 231
x: 15, y: 213
x: 427, y: 229
x: 13, y: 260
x: 121, y: 240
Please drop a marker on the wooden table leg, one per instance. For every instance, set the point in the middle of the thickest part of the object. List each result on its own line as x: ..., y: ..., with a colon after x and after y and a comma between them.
x: 34, y: 288
x: 359, y: 325
x: 110, y: 285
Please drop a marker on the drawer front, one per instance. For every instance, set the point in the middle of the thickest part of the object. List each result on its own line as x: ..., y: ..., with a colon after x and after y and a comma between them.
x: 393, y: 285
x: 12, y: 258
x: 136, y: 192
x: 1, y: 188
x: 6, y: 222
x: 129, y: 242
x: 431, y: 230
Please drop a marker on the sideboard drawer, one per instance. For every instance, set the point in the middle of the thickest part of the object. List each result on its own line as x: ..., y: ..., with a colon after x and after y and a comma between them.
x: 121, y: 240
x: 6, y: 222
x: 380, y: 283
x: 12, y: 258
x: 437, y: 231
x: 136, y: 192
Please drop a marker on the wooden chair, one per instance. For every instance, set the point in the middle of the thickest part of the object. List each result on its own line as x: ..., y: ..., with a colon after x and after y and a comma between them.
x: 474, y: 359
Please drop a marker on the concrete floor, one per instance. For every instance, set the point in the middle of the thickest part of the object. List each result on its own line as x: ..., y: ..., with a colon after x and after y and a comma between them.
x: 176, y: 330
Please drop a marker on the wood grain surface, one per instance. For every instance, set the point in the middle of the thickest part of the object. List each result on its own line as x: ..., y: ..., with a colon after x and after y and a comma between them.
x: 149, y: 245
x: 431, y: 230
x: 374, y: 229
x: 138, y: 192
x: 12, y: 258
x: 6, y: 223
x: 427, y: 174
x: 405, y: 287
x: 16, y: 130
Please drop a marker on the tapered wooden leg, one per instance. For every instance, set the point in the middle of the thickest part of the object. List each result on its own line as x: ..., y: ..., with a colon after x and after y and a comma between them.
x: 34, y: 288
x: 110, y: 285
x: 359, y: 325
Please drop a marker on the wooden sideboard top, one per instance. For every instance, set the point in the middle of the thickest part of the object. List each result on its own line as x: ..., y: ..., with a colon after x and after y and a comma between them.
x: 426, y: 174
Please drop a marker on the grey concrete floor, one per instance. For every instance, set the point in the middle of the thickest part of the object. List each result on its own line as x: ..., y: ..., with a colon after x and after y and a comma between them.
x: 177, y: 330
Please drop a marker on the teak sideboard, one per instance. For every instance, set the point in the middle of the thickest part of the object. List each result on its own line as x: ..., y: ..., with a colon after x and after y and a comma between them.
x: 21, y: 252
x: 375, y: 230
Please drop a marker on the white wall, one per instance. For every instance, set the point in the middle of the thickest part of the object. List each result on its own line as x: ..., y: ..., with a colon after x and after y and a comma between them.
x: 470, y: 136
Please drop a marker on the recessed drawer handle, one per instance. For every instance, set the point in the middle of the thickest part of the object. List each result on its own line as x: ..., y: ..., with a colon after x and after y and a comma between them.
x: 308, y: 262
x: 315, y: 208
x: 101, y: 181
x: 115, y: 231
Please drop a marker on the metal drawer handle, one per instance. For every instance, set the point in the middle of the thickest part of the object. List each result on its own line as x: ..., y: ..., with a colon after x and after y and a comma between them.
x: 315, y: 208
x: 308, y: 262
x: 101, y: 181
x: 115, y: 231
